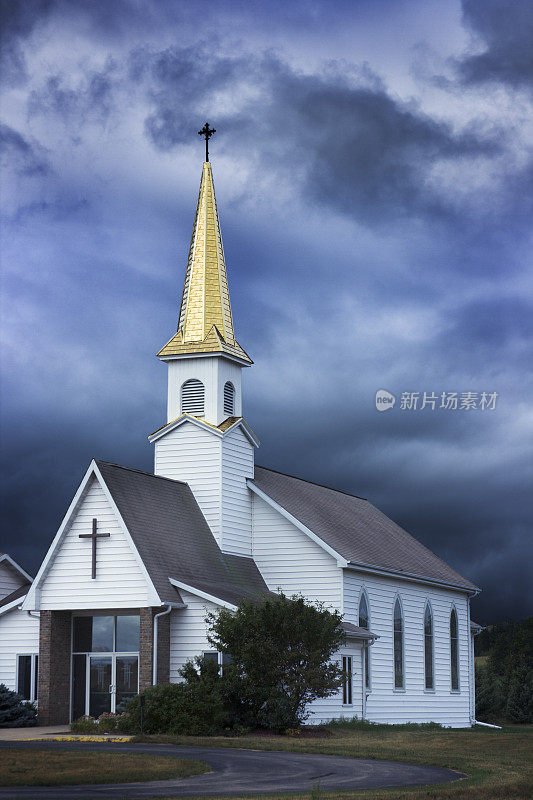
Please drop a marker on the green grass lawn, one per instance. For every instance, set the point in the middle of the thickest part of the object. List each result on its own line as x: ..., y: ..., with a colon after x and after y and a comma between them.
x: 498, y: 763
x: 59, y: 768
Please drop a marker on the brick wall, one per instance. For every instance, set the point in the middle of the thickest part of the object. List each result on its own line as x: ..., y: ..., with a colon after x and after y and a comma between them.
x: 146, y: 647
x: 163, y: 649
x: 54, y: 667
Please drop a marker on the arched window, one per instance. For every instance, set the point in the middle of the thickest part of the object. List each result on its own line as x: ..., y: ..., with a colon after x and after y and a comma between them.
x: 454, y: 650
x: 192, y: 397
x: 428, y: 647
x: 364, y: 622
x: 229, y: 398
x: 399, y: 679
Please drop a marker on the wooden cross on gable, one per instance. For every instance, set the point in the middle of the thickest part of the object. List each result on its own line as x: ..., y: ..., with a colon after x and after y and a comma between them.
x: 94, y: 536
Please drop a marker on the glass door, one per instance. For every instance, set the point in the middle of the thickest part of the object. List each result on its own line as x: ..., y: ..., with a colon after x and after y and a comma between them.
x: 126, y: 681
x: 100, y: 684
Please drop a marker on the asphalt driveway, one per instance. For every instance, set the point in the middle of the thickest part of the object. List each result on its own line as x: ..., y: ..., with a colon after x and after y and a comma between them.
x: 235, y: 772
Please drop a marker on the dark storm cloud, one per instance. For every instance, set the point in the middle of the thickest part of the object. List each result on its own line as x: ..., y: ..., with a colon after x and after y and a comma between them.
x: 505, y: 28
x: 93, y: 99
x: 24, y: 157
x: 364, y: 152
x: 395, y: 259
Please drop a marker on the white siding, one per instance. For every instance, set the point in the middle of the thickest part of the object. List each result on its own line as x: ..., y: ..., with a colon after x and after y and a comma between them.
x: 194, y: 455
x: 119, y: 582
x: 288, y: 559
x: 213, y: 372
x: 237, y: 466
x: 414, y: 704
x: 188, y: 632
x: 19, y: 634
x: 331, y: 707
x: 10, y: 580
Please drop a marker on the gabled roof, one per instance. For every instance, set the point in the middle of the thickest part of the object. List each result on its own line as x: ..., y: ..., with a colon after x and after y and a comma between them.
x: 6, y: 559
x: 355, y: 529
x: 221, y: 430
x: 18, y: 594
x: 174, y: 540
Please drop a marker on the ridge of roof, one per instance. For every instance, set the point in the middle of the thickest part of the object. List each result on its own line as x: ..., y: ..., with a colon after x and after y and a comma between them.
x: 313, y: 483
x: 357, y: 530
x: 99, y: 461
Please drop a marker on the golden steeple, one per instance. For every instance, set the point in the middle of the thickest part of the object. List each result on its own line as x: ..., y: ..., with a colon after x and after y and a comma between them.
x: 205, y: 322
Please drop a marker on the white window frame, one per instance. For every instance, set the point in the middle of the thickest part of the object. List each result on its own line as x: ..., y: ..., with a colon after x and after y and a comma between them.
x: 427, y: 605
x: 199, y: 384
x: 34, y: 677
x: 398, y: 599
x: 365, y: 648
x: 453, y: 610
x: 232, y: 412
x: 113, y: 654
x: 347, y: 684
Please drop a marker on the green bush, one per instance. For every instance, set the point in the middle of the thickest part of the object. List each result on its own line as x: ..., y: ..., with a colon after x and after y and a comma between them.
x: 194, y: 707
x: 14, y: 711
x: 85, y: 724
x: 282, y: 650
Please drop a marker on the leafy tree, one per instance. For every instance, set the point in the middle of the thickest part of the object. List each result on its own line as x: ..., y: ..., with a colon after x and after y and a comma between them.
x: 14, y: 711
x: 519, y: 706
x: 281, y: 649
x: 504, y: 681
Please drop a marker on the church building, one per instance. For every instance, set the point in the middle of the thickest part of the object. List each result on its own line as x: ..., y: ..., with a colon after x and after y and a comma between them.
x: 120, y: 600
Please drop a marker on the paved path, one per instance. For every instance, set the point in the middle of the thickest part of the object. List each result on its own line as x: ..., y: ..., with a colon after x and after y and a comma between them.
x: 236, y: 772
x: 10, y: 734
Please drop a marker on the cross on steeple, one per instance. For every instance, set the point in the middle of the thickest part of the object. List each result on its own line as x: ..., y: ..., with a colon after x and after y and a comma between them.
x: 207, y: 132
x: 94, y: 536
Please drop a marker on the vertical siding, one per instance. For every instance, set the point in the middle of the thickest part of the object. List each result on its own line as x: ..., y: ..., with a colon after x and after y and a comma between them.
x: 414, y: 704
x: 194, y: 455
x: 290, y: 560
x: 237, y: 466
x: 119, y: 581
x: 188, y: 632
x: 9, y: 580
x: 19, y: 634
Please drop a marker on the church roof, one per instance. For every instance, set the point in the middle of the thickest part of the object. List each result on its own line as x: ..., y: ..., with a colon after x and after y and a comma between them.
x: 205, y: 323
x: 355, y: 529
x: 21, y: 592
x: 174, y: 540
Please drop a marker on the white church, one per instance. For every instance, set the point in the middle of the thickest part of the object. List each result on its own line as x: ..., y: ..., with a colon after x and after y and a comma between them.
x: 120, y: 600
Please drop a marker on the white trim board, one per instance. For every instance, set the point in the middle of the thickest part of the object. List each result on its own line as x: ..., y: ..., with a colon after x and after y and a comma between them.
x: 206, y: 426
x: 6, y: 557
x: 13, y: 604
x: 204, y: 595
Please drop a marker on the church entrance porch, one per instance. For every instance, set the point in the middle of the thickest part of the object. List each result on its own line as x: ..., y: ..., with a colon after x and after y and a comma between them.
x: 91, y: 662
x: 105, y: 663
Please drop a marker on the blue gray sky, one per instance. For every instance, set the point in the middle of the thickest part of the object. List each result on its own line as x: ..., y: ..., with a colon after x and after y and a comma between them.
x: 373, y: 166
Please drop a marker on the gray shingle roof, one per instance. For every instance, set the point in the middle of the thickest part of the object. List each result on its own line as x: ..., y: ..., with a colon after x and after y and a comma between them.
x: 355, y: 632
x: 354, y: 528
x: 174, y: 540
x: 21, y: 592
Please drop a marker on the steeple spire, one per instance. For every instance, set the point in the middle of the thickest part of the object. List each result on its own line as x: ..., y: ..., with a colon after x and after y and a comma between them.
x: 205, y: 322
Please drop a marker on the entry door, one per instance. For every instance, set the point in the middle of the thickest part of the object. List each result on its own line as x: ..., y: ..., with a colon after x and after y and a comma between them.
x: 126, y: 681
x: 100, y: 684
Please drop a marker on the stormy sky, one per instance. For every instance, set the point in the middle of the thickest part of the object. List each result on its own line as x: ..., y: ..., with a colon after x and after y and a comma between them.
x: 373, y: 166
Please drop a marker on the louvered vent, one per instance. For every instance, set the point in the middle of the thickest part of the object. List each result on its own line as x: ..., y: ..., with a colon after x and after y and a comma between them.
x: 229, y: 399
x: 192, y: 397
